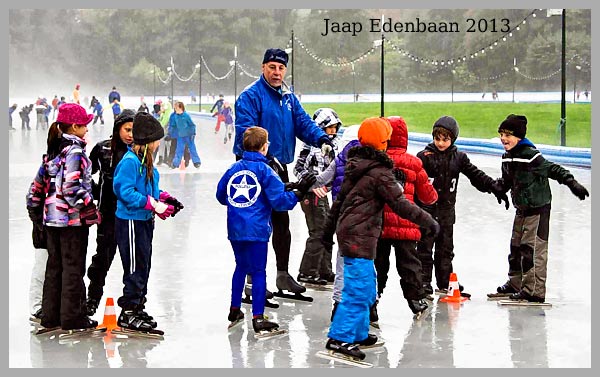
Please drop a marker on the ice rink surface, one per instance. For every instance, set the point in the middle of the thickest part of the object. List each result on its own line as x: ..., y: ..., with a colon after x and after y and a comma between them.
x: 192, y: 265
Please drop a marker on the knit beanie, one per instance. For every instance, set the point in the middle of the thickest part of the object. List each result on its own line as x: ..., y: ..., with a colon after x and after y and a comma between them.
x: 375, y: 132
x: 72, y: 113
x: 515, y: 125
x: 276, y: 55
x: 125, y: 116
x: 448, y: 123
x: 146, y: 129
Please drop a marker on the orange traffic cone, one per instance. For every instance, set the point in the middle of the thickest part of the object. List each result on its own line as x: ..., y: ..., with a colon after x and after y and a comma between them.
x: 182, y: 164
x: 109, y: 345
x: 110, y: 316
x: 453, y: 291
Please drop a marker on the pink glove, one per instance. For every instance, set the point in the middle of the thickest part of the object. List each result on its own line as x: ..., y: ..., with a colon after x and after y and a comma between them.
x: 149, y: 203
x: 164, y: 196
x: 168, y: 211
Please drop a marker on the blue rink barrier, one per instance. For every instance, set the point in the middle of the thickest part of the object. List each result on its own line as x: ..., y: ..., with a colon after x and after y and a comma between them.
x: 580, y: 157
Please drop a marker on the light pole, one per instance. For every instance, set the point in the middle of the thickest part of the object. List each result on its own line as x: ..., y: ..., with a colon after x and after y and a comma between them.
x: 291, y: 50
x: 199, y: 86
x: 353, y: 83
x: 154, y: 72
x: 169, y: 69
x: 377, y: 43
x: 577, y: 68
x: 515, y: 70
x: 563, y: 84
x: 453, y: 72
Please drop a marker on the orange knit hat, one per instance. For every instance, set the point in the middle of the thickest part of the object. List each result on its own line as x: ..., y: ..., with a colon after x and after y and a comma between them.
x: 375, y: 132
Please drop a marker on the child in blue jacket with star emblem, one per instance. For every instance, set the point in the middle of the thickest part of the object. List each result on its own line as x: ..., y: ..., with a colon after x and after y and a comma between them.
x: 251, y: 189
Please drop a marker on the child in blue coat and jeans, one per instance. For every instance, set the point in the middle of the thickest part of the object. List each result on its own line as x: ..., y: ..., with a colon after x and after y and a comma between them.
x: 251, y: 190
x: 135, y: 184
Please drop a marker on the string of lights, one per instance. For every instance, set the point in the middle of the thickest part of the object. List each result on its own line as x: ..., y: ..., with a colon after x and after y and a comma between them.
x: 330, y: 63
x: 243, y: 68
x: 212, y: 74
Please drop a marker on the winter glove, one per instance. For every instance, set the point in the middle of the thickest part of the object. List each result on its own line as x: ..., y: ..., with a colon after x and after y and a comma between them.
x: 576, y: 188
x: 177, y: 205
x: 400, y: 176
x: 90, y: 215
x: 326, y: 145
x: 499, y: 193
x: 36, y: 214
x: 161, y: 209
x: 301, y: 187
x: 320, y: 192
x: 432, y: 230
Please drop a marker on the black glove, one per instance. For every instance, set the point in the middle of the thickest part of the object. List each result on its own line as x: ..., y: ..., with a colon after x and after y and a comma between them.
x: 36, y: 214
x: 499, y: 193
x: 175, y: 203
x: 400, y: 176
x: 304, y: 184
x: 577, y: 189
x: 432, y: 230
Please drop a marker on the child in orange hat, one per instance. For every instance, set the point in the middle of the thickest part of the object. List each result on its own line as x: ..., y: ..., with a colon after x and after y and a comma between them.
x: 368, y: 184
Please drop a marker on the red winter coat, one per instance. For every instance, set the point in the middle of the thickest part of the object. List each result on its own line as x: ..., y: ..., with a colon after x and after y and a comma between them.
x: 417, y: 183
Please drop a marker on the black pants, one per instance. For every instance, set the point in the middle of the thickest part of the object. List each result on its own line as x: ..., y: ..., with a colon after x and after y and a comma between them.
x: 134, y: 238
x: 407, y: 265
x: 106, y: 248
x: 63, y: 300
x: 317, y: 258
x: 282, y: 238
x: 441, y: 258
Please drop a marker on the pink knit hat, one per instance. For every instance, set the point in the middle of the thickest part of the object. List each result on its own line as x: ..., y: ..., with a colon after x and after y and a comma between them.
x: 72, y: 113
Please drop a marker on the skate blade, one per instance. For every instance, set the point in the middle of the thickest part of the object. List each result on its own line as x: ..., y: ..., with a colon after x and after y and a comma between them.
x: 373, y: 346
x: 524, y: 303
x: 422, y: 315
x: 335, y: 356
x: 498, y: 296
x: 71, y: 334
x: 47, y: 331
x: 269, y: 334
x: 137, y: 334
x: 375, y: 325
x: 268, y: 304
x: 234, y: 324
x: 293, y: 296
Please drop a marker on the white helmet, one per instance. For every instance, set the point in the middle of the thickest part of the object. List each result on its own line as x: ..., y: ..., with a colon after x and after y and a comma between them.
x: 325, y: 116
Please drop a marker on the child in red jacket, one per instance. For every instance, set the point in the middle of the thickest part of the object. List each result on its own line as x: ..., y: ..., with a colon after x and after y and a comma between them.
x: 401, y: 233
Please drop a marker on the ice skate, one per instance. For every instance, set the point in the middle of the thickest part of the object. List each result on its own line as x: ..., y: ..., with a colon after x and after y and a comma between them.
x: 420, y: 308
x: 91, y: 306
x: 236, y: 316
x: 51, y: 330
x: 132, y: 324
x: 314, y: 282
x: 264, y: 329
x: 36, y: 318
x: 523, y: 298
x: 346, y: 353
x: 503, y: 292
x: 285, y: 282
x: 87, y: 327
x: 444, y: 292
x: 373, y: 316
x: 370, y: 342
x: 248, y: 296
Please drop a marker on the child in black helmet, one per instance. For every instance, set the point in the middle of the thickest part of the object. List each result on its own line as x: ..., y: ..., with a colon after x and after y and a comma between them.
x: 443, y: 163
x: 315, y: 267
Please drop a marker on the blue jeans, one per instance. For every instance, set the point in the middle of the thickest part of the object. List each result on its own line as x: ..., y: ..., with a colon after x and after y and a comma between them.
x: 250, y: 259
x: 351, y: 321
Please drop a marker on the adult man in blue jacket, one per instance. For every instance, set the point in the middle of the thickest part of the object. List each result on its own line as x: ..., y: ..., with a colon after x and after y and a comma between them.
x: 270, y: 104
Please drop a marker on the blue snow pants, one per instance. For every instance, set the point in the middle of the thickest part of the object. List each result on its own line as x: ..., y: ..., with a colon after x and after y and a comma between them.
x: 351, y: 321
x: 250, y: 259
x: 181, y: 144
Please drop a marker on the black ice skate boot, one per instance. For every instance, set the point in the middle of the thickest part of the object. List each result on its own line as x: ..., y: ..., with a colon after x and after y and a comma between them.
x: 285, y: 282
x: 261, y: 324
x: 131, y: 321
x: 91, y: 306
x: 311, y: 279
x: 418, y: 307
x: 506, y: 289
x: 524, y: 296
x: 370, y: 341
x: 141, y: 313
x: 235, y: 316
x: 347, y: 349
